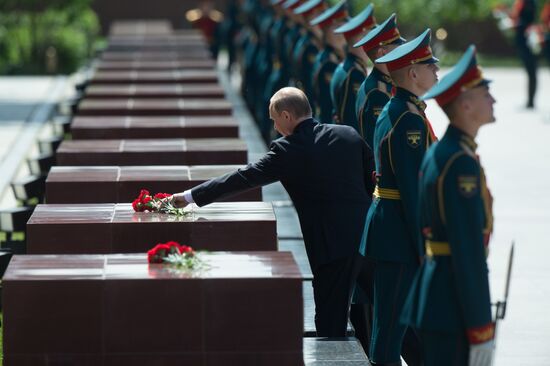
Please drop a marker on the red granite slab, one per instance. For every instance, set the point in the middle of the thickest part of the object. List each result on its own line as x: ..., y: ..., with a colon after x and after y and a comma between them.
x: 122, y: 184
x: 152, y: 152
x: 133, y: 28
x: 116, y: 228
x: 155, y: 65
x: 155, y: 77
x: 154, y: 107
x: 200, y: 54
x: 116, y: 127
x: 242, y: 309
x: 139, y: 91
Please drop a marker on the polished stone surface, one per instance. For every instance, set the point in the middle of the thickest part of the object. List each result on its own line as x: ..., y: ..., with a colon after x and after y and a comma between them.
x: 154, y: 107
x: 155, y: 65
x: 152, y: 91
x: 142, y: 29
x: 200, y: 54
x: 334, y: 352
x: 122, y: 184
x: 117, y: 309
x: 118, y: 127
x: 155, y: 77
x: 152, y: 152
x: 116, y: 228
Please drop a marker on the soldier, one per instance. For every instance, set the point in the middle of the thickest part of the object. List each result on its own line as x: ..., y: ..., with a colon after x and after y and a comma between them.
x: 291, y: 38
x: 523, y: 15
x: 351, y: 72
x: 328, y: 58
x: 449, y: 301
x: 307, y: 48
x: 375, y: 91
x: 402, y: 135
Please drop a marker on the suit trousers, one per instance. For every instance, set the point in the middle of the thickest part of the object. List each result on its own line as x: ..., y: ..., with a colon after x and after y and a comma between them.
x: 333, y: 286
x: 392, y: 282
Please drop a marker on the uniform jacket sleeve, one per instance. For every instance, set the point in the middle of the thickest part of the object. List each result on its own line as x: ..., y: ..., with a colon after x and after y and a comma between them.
x: 462, y: 214
x: 408, y: 146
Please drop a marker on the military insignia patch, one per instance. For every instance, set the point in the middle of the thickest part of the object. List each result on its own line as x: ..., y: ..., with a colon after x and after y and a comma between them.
x: 311, y: 58
x: 467, y: 185
x: 356, y: 87
x: 377, y: 111
x: 328, y: 77
x: 414, y: 138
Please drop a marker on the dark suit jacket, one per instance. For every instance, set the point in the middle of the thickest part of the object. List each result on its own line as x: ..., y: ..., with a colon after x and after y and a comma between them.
x: 326, y: 170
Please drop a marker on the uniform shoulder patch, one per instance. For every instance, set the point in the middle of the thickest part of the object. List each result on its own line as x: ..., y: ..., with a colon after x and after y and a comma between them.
x: 356, y: 87
x: 328, y: 77
x: 414, y: 138
x: 467, y: 185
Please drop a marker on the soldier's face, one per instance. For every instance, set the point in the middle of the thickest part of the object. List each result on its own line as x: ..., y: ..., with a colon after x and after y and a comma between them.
x: 481, y: 104
x: 425, y: 75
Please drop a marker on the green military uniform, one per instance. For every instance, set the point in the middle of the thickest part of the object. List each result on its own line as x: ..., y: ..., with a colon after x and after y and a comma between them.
x: 373, y: 94
x: 349, y: 74
x: 323, y: 71
x: 326, y: 62
x: 344, y: 86
x: 375, y: 91
x: 305, y: 54
x: 306, y: 51
x: 401, y: 137
x: 449, y: 301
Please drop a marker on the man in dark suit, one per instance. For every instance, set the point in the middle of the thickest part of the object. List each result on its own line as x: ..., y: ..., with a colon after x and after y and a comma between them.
x: 326, y: 170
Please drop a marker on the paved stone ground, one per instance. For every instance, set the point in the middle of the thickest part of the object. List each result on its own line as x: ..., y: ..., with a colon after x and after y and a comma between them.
x: 25, y: 104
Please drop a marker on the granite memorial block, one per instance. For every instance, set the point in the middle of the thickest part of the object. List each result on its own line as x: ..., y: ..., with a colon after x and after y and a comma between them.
x: 123, y: 184
x: 155, y: 91
x: 154, y: 107
x: 213, y: 151
x: 241, y: 309
x: 116, y: 228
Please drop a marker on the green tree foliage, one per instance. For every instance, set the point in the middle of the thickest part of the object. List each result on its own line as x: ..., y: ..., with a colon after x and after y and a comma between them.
x: 39, y: 36
x: 419, y: 14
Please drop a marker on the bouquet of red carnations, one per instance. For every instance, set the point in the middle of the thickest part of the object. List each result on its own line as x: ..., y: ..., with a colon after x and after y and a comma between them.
x: 174, y: 253
x: 156, y: 203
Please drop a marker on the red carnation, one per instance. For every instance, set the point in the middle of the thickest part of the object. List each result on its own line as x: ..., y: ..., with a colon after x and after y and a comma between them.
x: 161, y: 196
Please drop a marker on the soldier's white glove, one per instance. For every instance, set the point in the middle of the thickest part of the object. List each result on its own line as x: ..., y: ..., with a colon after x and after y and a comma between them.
x: 482, y: 354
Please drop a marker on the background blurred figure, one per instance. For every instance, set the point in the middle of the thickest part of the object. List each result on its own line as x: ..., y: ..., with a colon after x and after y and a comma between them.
x: 523, y: 15
x: 206, y: 19
x: 545, y: 21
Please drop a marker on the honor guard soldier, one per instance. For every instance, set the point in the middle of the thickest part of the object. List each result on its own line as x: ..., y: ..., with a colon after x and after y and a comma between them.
x: 376, y: 90
x: 307, y: 48
x: 250, y: 48
x: 449, y: 302
x: 351, y: 72
x: 401, y: 137
x: 327, y: 60
x: 292, y: 37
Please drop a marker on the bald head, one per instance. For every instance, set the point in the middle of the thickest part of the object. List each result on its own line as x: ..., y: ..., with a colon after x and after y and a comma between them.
x: 287, y: 108
x: 292, y: 100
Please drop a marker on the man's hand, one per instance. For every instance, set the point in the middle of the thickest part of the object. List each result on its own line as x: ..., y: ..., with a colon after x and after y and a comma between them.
x: 482, y: 354
x: 178, y: 200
